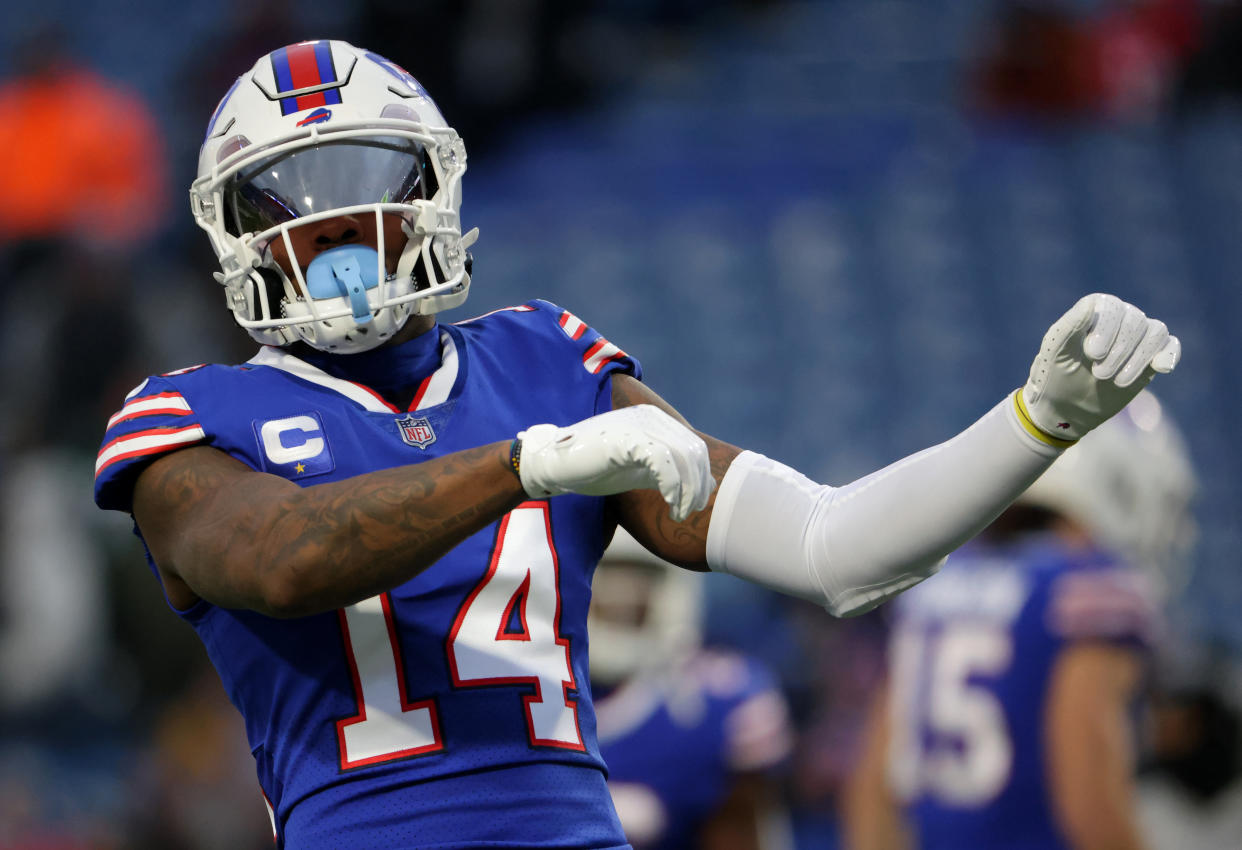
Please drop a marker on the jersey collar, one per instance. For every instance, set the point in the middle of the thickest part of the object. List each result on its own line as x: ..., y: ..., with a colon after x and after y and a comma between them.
x: 436, y: 388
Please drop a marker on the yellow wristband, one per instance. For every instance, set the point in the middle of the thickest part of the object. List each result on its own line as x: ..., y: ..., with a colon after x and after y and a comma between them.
x: 1034, y: 430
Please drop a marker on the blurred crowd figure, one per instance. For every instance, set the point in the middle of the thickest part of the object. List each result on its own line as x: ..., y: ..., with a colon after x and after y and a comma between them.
x: 1213, y: 73
x: 1130, y: 60
x: 67, y: 180
x: 76, y: 205
x: 504, y: 61
x: 114, y: 732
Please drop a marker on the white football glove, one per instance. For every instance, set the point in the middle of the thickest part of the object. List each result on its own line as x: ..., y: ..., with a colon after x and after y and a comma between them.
x: 1094, y: 360
x: 632, y: 448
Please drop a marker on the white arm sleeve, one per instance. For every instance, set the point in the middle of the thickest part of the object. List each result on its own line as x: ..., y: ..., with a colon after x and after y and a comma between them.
x: 850, y: 548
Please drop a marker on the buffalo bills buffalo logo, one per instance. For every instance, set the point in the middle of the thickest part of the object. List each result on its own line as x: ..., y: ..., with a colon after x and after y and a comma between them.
x: 317, y: 117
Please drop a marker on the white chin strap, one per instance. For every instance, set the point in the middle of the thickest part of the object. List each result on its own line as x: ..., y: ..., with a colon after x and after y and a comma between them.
x: 344, y: 335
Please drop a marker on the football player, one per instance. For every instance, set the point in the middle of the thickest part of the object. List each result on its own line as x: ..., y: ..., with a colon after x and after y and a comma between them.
x: 383, y: 526
x: 1006, y: 719
x: 692, y: 736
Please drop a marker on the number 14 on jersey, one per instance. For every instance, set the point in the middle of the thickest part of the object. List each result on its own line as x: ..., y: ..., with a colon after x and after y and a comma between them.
x: 505, y: 634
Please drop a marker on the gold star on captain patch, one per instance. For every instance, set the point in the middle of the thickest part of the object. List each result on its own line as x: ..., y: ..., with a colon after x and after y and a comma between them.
x: 300, y: 468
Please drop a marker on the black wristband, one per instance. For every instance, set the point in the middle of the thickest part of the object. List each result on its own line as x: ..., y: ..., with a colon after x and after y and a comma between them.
x: 515, y: 457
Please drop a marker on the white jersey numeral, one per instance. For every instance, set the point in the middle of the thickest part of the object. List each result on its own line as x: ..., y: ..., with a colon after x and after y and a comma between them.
x: 505, y: 634
x: 388, y: 724
x: 950, y: 737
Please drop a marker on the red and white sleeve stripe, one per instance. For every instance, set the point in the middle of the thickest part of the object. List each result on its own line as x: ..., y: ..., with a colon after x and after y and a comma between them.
x: 573, y: 327
x: 150, y: 440
x: 600, y: 355
x: 1112, y: 605
x: 173, y: 404
x: 521, y: 308
x: 154, y: 441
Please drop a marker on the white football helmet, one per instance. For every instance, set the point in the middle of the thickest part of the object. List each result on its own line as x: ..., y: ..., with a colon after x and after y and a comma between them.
x: 1131, y: 483
x: 314, y: 131
x: 645, y: 613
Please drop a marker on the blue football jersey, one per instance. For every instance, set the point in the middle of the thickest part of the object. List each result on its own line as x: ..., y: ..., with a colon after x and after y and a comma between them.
x: 971, y: 656
x: 454, y: 710
x: 675, y: 740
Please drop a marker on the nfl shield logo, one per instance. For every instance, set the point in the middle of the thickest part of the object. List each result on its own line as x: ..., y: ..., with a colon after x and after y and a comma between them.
x: 416, y: 432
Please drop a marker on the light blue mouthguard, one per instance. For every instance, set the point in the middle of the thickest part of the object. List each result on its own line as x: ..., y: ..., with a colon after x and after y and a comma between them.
x: 349, y: 270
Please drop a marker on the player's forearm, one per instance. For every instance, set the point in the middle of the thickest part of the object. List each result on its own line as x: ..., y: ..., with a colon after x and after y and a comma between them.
x: 256, y: 541
x: 349, y: 540
x: 1106, y: 828
x: 1098, y: 812
x: 1090, y: 756
x: 871, y: 818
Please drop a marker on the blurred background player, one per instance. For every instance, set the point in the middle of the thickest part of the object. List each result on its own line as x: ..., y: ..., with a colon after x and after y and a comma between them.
x: 692, y: 736
x: 1006, y: 720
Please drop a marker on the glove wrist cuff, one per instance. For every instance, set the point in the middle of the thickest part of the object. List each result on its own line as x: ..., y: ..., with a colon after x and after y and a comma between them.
x: 527, y: 459
x: 1028, y: 424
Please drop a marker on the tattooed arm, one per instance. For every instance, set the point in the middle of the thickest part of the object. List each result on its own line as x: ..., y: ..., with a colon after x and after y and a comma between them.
x: 220, y: 531
x: 644, y: 514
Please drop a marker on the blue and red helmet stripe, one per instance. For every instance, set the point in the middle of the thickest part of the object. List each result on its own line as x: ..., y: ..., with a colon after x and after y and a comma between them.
x: 301, y: 66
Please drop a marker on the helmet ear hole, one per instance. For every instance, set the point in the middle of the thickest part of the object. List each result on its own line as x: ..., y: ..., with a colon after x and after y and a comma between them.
x: 273, y: 287
x: 424, y: 278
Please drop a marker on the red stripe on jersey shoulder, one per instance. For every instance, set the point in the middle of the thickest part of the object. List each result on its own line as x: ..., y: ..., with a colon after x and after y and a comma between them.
x: 166, y: 394
x: 151, y: 432
x: 137, y: 452
x: 146, y: 442
x: 1113, y: 603
x: 166, y: 403
x: 520, y: 308
x: 195, y: 367
x: 600, y: 354
x: 573, y: 327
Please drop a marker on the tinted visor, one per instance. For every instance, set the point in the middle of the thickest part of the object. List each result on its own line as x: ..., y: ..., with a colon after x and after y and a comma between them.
x: 364, y: 170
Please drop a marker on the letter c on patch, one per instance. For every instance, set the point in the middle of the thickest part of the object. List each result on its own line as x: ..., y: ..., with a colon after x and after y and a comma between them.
x: 274, y: 442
